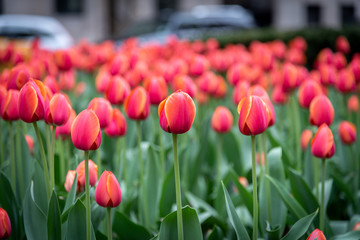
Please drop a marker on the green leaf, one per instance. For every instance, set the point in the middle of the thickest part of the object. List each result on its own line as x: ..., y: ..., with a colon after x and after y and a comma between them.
x: 300, y: 227
x: 71, y: 196
x: 244, y: 194
x: 167, y: 197
x: 234, y: 218
x: 215, y: 234
x: 198, y: 203
x: 232, y: 151
x: 191, y: 225
x: 34, y: 219
x: 354, y: 235
x: 53, y: 218
x: 39, y: 189
x: 126, y: 229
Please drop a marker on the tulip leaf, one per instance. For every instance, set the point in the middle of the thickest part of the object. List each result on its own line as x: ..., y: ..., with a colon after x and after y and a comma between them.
x: 240, y: 230
x: 39, y: 188
x: 34, y: 217
x: 53, y: 218
x: 71, y: 196
x: 232, y: 151
x: 126, y: 229
x: 167, y: 196
x: 244, y: 194
x: 215, y: 234
x: 191, y: 225
x: 300, y: 227
x: 97, y: 215
x: 353, y: 235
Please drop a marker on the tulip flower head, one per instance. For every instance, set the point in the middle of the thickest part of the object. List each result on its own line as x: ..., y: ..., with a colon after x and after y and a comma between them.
x: 117, y: 126
x: 5, y: 225
x: 9, y: 106
x: 306, y: 135
x: 321, y: 111
x: 356, y: 227
x: 322, y: 145
x: 70, y: 176
x: 278, y: 95
x: 18, y: 77
x: 93, y: 174
x: 117, y: 91
x: 102, y: 109
x: 222, y: 120
x: 308, y: 90
x: 65, y: 130
x: 85, y: 131
x: 261, y: 92
x: 137, y: 104
x: 353, y: 104
x: 30, y: 143
x: 243, y: 181
x: 241, y: 90
x: 59, y: 110
x: 108, y: 192
x: 347, y: 132
x: 253, y: 115
x: 342, y: 44
x: 177, y: 113
x: 316, y: 235
x: 157, y: 89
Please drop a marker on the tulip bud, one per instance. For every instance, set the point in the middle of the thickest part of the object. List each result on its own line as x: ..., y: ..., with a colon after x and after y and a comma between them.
x: 222, y: 120
x: 102, y: 109
x: 342, y: 44
x: 347, y: 132
x: 258, y: 90
x: 339, y: 61
x: 70, y: 176
x: 237, y: 73
x: 5, y: 225
x: 346, y: 81
x: 322, y: 145
x: 18, y: 76
x: 177, y: 113
x: 137, y: 104
x: 9, y: 106
x: 321, y: 111
x: 253, y: 115
x: 278, y: 95
x: 306, y: 135
x: 291, y: 77
x: 108, y: 192
x: 356, y: 227
x: 63, y: 60
x: 117, y: 126
x: 207, y: 82
x: 50, y: 82
x: 244, y: 181
x: 65, y: 130
x: 327, y: 74
x: 308, y: 90
x: 30, y: 143
x: 184, y: 83
x: 85, y: 131
x: 157, y: 89
x: 198, y: 65
x: 117, y: 91
x: 241, y: 90
x: 67, y: 80
x: 353, y: 104
x: 59, y: 110
x: 316, y: 235
x: 93, y: 174
x: 102, y: 80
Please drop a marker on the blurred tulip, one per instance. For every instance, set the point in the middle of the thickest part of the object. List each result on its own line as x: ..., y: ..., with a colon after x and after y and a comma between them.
x: 5, y: 225
x: 342, y: 44
x: 253, y: 115
x: 102, y: 80
x: 65, y: 130
x: 356, y: 227
x: 202, y: 98
x: 346, y: 81
x: 347, y: 132
x: 278, y: 95
x: 241, y: 90
x: 222, y: 120
x: 93, y: 174
x: 207, y: 82
x: 291, y: 77
x: 85, y: 131
x: 237, y: 73
x: 353, y: 104
x: 322, y: 145
x: 67, y: 80
x: 63, y: 60
x: 117, y: 127
x: 316, y: 235
x: 184, y: 83
x: 157, y: 89
x: 177, y: 113
x: 339, y: 61
x: 80, y: 88
x: 355, y: 68
x: 298, y: 43
x: 30, y: 143
x: 198, y: 65
x: 308, y: 90
x: 327, y: 74
x: 18, y: 76
x: 108, y: 192
x: 9, y: 106
x: 258, y: 90
x: 59, y: 110
x: 137, y: 104
x: 117, y: 91
x: 244, y: 181
x: 50, y: 82
x: 306, y: 135
x: 70, y: 176
x: 102, y: 109
x: 221, y: 87
x: 119, y: 65
x: 321, y: 111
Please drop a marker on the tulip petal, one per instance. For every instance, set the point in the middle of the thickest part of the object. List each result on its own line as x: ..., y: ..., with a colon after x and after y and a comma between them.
x: 28, y: 102
x: 322, y: 145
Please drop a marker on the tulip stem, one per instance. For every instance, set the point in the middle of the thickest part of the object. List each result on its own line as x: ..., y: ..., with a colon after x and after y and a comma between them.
x: 316, y: 177
x: 62, y: 159
x: 109, y: 223
x: 356, y: 175
x: 218, y: 160
x: 178, y: 190
x: 12, y: 157
x: 322, y: 205
x: 1, y: 145
x: 44, y: 162
x: 19, y: 164
x: 98, y: 157
x: 295, y: 109
x: 255, y: 201
x: 162, y: 154
x: 87, y: 196
x: 267, y: 184
x: 51, y: 160
x: 142, y: 173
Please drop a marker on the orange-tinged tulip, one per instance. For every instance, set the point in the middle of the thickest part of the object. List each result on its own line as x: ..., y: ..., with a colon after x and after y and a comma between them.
x: 198, y: 65
x: 80, y: 88
x: 31, y: 101
x: 30, y: 142
x: 291, y: 77
x: 353, y: 104
x: 207, y: 82
x: 65, y: 130
x: 258, y: 90
x: 327, y: 74
x: 345, y: 81
x: 59, y: 110
x: 18, y: 76
x: 117, y: 91
x: 50, y: 82
x: 63, y: 60
x: 222, y: 120
x: 9, y: 106
x: 201, y: 98
x: 157, y: 89
x: 308, y: 90
x: 342, y: 44
x: 117, y: 126
x: 108, y: 192
x: 67, y: 80
x: 339, y: 60
x: 221, y: 88
x: 102, y: 109
x: 316, y: 235
x: 177, y: 113
x: 70, y: 176
x: 356, y: 227
x: 306, y: 135
x: 253, y: 115
x: 241, y: 90
x: 321, y: 111
x: 119, y: 65
x: 347, y: 132
x: 85, y: 131
x: 184, y: 83
x: 93, y: 174
x: 244, y: 181
x: 102, y: 80
x: 278, y: 95
x: 298, y: 43
x: 322, y: 145
x: 137, y: 104
x: 237, y: 73
x: 5, y: 225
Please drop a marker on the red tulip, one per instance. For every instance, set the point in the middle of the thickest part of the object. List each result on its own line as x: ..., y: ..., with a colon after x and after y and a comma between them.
x: 353, y: 104
x: 316, y: 235
x: 177, y: 113
x: 258, y: 90
x: 298, y: 43
x: 137, y: 104
x: 327, y: 74
x: 321, y: 111
x: 67, y: 80
x: 59, y: 110
x: 184, y: 83
x: 119, y: 65
x: 222, y: 120
x: 102, y: 109
x: 30, y: 143
x: 198, y: 65
x: 291, y: 77
x: 5, y: 225
x: 278, y: 95
x: 117, y: 126
x: 80, y: 88
x: 254, y: 115
x: 308, y: 90
x: 102, y: 80
x: 347, y: 132
x: 322, y: 145
x: 9, y: 106
x: 70, y: 176
x: 207, y: 82
x: 63, y: 60
x: 117, y: 91
x: 237, y: 73
x: 108, y: 192
x: 306, y: 135
x: 346, y: 81
x: 85, y: 131
x: 221, y: 88
x: 241, y: 90
x: 356, y: 227
x: 65, y: 130
x: 93, y: 174
x: 157, y: 89
x: 201, y: 98
x: 339, y: 61
x: 18, y: 76
x: 342, y: 44
x: 50, y: 82
x: 32, y: 101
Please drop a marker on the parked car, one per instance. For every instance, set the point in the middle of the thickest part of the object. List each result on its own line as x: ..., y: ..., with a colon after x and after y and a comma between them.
x: 51, y: 32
